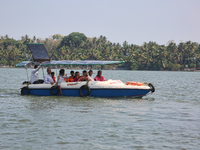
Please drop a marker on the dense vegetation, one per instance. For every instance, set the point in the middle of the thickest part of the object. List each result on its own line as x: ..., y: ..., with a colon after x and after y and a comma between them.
x: 76, y: 46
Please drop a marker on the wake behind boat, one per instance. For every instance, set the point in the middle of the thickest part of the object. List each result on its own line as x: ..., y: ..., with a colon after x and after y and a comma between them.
x: 109, y: 88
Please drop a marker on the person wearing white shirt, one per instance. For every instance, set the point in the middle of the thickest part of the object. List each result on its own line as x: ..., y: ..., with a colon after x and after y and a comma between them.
x: 61, y: 79
x: 48, y: 78
x: 34, y: 75
x: 90, y: 75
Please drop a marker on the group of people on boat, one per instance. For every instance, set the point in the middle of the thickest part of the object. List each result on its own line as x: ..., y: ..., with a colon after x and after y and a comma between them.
x: 50, y: 78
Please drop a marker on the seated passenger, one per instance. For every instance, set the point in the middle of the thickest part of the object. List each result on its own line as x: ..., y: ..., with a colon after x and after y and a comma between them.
x: 76, y: 77
x: 53, y: 77
x: 48, y: 78
x: 72, y: 74
x: 90, y: 75
x: 84, y: 77
x: 99, y: 77
x: 71, y: 78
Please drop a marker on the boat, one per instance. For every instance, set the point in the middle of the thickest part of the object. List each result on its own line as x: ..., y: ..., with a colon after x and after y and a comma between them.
x: 109, y: 89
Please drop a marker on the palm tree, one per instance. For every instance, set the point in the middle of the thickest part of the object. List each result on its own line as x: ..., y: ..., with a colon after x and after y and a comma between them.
x: 6, y: 37
x: 34, y: 39
x: 104, y: 40
x: 94, y: 40
x: 125, y: 46
x: 182, y: 48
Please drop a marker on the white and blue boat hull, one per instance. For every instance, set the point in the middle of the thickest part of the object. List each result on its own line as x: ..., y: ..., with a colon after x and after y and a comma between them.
x: 110, y: 88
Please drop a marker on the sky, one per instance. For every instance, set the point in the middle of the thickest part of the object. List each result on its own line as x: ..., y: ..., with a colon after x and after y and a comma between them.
x: 134, y: 21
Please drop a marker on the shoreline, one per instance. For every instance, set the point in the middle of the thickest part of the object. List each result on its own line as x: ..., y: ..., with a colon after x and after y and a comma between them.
x: 11, y: 67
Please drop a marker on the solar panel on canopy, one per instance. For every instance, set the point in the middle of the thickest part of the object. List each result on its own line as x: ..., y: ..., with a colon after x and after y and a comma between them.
x: 39, y: 52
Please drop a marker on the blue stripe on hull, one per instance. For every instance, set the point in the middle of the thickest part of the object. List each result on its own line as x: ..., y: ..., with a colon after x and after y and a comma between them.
x: 94, y: 92
x: 118, y: 93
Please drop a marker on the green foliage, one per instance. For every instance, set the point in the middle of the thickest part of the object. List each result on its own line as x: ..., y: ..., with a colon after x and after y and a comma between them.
x: 76, y: 46
x: 57, y: 37
x: 74, y: 39
x: 192, y: 65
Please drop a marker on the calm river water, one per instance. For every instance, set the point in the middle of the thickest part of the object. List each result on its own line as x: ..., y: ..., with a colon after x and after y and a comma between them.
x: 166, y: 119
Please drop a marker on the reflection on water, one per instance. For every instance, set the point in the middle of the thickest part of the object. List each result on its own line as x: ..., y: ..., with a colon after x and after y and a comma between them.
x: 166, y: 119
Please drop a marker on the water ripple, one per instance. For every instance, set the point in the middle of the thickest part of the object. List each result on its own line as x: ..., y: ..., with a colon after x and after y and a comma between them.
x: 166, y: 119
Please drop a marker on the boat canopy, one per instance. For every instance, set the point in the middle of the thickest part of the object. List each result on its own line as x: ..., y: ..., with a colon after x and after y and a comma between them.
x: 40, y: 54
x: 72, y: 62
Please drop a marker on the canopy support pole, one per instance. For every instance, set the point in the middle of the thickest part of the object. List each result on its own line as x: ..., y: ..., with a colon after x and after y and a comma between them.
x: 27, y: 74
x: 43, y: 72
x: 56, y: 71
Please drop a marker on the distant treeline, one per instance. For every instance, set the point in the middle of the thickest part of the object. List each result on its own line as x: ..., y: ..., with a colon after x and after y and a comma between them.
x: 76, y: 46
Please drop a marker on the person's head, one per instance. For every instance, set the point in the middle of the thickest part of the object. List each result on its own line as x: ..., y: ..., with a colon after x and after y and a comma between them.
x: 62, y: 72
x: 99, y: 73
x: 84, y: 73
x: 35, y: 66
x: 90, y: 73
x: 72, y: 73
x: 48, y: 70
x: 52, y: 74
x: 77, y: 74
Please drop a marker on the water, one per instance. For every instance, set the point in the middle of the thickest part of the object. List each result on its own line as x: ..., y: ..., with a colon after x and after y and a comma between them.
x: 167, y: 119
